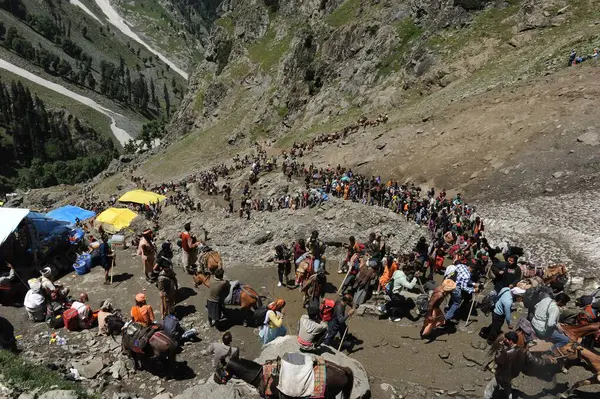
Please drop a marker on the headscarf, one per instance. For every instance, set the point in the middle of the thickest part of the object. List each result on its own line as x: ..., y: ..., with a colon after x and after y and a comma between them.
x: 516, y: 291
x: 276, y: 305
x: 107, y: 306
x: 140, y: 297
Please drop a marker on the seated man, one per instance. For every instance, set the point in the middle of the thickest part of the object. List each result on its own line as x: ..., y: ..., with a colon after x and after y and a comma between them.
x: 142, y: 313
x: 84, y: 311
x: 223, y: 351
x: 312, y: 330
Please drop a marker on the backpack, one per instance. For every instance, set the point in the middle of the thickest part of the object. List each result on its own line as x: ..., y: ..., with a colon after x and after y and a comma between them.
x: 258, y: 318
x: 326, y: 309
x: 535, y: 294
x: 114, y: 324
x: 422, y: 303
x: 71, y: 319
x: 171, y: 327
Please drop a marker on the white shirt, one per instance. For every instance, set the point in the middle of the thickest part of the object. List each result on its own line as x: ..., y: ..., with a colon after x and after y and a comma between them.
x: 81, y: 309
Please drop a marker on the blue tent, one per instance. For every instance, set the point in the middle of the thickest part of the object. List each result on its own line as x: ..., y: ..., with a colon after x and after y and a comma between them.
x: 69, y: 213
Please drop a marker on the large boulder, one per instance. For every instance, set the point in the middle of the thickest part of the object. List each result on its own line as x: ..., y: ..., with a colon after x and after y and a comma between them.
x: 289, y: 343
x: 235, y: 389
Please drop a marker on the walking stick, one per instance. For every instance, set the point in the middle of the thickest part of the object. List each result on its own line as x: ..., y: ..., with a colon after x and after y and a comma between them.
x: 487, y: 275
x: 343, y: 338
x: 112, y: 266
x: 342, y: 284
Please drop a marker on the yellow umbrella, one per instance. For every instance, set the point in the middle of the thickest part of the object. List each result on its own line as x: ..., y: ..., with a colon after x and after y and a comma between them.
x: 142, y: 197
x: 115, y: 219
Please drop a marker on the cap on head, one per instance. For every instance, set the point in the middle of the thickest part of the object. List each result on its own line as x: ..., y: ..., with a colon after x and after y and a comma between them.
x: 46, y: 272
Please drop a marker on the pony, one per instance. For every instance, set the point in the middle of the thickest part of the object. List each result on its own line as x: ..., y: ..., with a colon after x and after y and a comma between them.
x: 159, y: 346
x: 339, y: 379
x: 210, y: 261
x: 573, y: 354
x: 250, y: 300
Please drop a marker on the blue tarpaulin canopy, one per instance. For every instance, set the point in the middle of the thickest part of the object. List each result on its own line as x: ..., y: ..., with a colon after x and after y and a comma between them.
x: 69, y: 213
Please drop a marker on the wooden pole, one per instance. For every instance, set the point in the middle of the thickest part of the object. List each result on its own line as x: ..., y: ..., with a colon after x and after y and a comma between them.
x: 342, y: 284
x: 343, y: 338
x: 112, y: 266
x: 487, y: 276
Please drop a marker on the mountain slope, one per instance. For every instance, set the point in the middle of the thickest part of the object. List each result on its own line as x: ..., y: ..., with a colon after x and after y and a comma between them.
x: 78, y: 47
x: 287, y: 71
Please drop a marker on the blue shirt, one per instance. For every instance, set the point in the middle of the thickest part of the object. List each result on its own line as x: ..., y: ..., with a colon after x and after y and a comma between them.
x: 504, y: 303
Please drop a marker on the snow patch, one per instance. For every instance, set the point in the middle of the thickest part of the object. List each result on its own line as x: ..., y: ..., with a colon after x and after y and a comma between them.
x: 115, y: 19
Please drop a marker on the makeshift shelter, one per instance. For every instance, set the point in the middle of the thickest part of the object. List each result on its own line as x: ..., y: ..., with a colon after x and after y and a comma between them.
x: 142, y: 197
x: 10, y: 217
x: 39, y: 237
x: 115, y: 219
x: 70, y: 214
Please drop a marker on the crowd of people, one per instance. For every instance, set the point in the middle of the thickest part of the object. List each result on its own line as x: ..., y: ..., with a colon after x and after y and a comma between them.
x: 452, y: 246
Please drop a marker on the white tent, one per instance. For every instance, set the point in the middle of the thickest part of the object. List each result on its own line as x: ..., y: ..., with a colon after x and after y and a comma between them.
x: 9, y: 221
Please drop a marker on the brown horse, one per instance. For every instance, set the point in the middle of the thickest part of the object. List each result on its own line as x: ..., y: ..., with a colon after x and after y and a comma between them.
x: 572, y: 354
x: 250, y: 300
x: 554, y: 273
x: 575, y: 354
x: 339, y: 379
x: 159, y: 347
x: 210, y: 261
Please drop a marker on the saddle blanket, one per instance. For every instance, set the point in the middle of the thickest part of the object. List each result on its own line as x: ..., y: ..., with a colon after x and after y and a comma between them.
x: 300, y: 377
x: 235, y: 289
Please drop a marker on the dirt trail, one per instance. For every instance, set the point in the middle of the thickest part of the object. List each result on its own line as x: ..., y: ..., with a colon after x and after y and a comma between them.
x: 119, y: 133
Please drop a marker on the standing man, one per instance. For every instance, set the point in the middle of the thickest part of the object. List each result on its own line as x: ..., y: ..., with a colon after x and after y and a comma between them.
x: 316, y: 248
x: 502, y: 311
x: 284, y: 266
x: 147, y: 251
x: 106, y: 258
x: 342, y: 311
x: 464, y: 290
x: 219, y: 289
x: 189, y: 253
x: 167, y: 287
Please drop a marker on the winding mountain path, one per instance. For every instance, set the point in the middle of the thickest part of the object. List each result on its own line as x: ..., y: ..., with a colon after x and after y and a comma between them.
x: 119, y: 133
x: 115, y: 19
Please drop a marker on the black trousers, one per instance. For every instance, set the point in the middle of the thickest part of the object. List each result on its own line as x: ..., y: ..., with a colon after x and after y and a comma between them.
x: 496, y: 327
x: 283, y: 269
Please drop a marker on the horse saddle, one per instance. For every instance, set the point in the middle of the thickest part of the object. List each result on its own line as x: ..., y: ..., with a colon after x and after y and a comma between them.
x: 139, y: 336
x: 235, y: 289
x: 299, y: 376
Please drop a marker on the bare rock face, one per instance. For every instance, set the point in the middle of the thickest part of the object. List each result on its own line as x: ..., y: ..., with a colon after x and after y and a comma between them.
x: 535, y: 14
x: 210, y: 390
x: 289, y: 343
